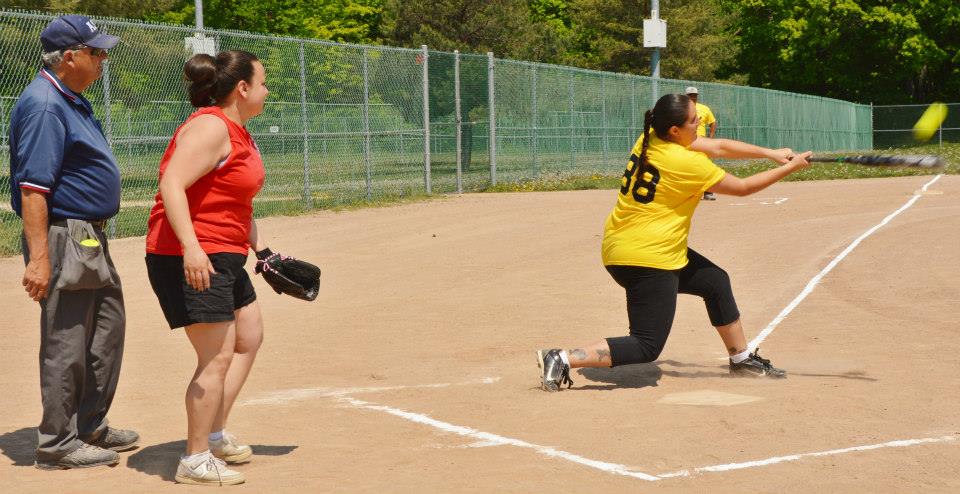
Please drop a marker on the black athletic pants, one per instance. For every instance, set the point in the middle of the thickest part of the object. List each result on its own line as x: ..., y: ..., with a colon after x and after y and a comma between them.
x: 652, y: 303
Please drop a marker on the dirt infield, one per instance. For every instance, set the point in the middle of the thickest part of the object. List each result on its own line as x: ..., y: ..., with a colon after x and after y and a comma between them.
x: 415, y: 371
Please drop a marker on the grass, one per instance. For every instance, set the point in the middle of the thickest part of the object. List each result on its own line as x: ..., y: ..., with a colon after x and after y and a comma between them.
x: 341, y: 185
x: 819, y: 171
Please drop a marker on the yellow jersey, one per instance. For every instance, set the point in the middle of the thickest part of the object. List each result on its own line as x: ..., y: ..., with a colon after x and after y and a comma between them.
x: 706, y: 118
x: 651, y: 221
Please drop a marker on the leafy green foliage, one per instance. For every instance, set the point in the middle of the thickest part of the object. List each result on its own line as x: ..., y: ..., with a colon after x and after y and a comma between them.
x: 134, y: 9
x: 502, y: 26
x: 608, y: 35
x: 348, y: 21
x: 876, y: 51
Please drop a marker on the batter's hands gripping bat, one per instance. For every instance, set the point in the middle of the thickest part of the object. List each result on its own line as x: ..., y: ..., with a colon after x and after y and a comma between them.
x: 921, y: 160
x: 289, y: 276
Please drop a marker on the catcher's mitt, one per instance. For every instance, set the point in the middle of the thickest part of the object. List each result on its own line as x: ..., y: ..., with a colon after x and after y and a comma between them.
x: 287, y: 275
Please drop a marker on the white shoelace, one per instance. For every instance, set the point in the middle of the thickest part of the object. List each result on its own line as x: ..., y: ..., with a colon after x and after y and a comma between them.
x: 216, y: 464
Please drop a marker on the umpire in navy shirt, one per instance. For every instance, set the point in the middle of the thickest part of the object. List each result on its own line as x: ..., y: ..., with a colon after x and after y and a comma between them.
x: 65, y: 184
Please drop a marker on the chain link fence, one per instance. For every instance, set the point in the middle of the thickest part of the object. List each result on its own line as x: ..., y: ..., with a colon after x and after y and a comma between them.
x: 348, y: 123
x: 893, y: 125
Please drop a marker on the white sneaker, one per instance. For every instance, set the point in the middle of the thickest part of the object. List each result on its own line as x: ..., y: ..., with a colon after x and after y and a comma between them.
x: 228, y: 449
x: 207, y: 470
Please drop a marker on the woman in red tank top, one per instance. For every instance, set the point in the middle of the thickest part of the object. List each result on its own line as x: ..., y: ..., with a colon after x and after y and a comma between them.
x: 199, y: 233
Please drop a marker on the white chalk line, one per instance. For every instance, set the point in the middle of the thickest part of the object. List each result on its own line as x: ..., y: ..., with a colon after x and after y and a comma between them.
x: 782, y: 459
x: 807, y: 290
x: 285, y: 396
x: 488, y: 439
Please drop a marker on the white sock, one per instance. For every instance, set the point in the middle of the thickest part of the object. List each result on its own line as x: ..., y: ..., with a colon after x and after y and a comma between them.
x: 740, y: 357
x: 194, y: 458
x: 564, y: 358
x: 216, y: 436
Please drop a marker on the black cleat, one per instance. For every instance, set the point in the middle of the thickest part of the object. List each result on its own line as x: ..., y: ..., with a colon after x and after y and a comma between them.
x: 553, y: 372
x: 754, y: 365
x: 709, y: 196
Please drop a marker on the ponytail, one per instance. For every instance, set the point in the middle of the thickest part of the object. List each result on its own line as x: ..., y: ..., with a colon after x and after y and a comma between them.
x: 647, y: 124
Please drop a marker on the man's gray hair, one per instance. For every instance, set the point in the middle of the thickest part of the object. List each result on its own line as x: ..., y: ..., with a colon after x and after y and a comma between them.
x: 53, y: 58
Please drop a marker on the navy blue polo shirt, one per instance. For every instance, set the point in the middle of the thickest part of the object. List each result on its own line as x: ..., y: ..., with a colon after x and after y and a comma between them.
x: 57, y: 147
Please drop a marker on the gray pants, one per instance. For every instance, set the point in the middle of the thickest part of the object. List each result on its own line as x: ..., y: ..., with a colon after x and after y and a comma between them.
x: 81, y: 347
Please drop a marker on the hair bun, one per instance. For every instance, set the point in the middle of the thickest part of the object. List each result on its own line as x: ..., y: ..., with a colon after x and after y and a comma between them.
x: 201, y: 74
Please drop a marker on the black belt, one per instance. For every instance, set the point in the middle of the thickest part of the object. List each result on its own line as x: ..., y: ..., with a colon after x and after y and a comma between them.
x: 98, y: 224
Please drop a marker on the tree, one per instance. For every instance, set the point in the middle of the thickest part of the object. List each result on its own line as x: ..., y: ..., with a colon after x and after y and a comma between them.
x: 860, y: 50
x: 347, y: 21
x: 609, y: 36
x: 135, y: 9
x: 504, y: 27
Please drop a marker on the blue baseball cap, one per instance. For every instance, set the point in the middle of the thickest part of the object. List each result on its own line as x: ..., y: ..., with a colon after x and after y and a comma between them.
x: 71, y: 30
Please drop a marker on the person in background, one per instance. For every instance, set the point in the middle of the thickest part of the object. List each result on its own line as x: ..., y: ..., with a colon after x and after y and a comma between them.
x: 707, y: 119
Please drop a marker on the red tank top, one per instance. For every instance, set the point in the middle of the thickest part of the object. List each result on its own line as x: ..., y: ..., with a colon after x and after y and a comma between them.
x: 221, y: 202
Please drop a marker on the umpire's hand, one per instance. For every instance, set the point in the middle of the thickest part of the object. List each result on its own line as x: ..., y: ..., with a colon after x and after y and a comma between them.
x: 36, y: 278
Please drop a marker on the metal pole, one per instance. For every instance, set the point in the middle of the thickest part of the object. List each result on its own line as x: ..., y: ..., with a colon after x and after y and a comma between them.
x: 655, y: 59
x: 305, y: 124
x: 198, y: 13
x: 108, y: 131
x: 573, y: 141
x: 491, y: 107
x: 426, y: 117
x: 533, y: 120
x: 129, y: 135
x: 603, y: 120
x: 459, y: 119
x: 366, y: 126
x: 940, y: 135
x: 633, y: 109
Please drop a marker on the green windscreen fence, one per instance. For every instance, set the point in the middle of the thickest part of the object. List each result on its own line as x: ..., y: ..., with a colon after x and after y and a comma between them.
x: 349, y: 123
x: 893, y: 126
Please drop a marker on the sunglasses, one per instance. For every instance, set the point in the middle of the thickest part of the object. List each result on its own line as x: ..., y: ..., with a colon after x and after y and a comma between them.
x: 96, y: 52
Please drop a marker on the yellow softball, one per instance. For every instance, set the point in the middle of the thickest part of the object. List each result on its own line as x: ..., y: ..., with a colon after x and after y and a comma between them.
x: 90, y: 242
x: 930, y: 121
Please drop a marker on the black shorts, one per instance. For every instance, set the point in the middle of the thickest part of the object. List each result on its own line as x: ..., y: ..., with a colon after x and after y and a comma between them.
x: 230, y: 289
x: 652, y: 303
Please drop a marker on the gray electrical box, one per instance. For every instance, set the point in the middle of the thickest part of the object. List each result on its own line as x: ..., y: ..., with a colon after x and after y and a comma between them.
x: 200, y: 44
x: 654, y: 33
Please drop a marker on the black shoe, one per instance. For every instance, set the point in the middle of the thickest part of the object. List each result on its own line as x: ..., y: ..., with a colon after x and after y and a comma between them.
x: 709, y: 196
x: 85, y: 456
x: 756, y: 366
x: 116, y: 440
x: 553, y: 372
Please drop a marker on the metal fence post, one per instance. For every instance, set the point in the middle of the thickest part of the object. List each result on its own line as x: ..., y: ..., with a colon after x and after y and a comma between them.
x: 366, y: 126
x: 459, y: 119
x: 603, y: 119
x: 307, y: 196
x: 108, y: 133
x: 633, y: 109
x: 492, y: 109
x: 940, y: 135
x: 573, y: 139
x: 426, y: 117
x: 533, y: 120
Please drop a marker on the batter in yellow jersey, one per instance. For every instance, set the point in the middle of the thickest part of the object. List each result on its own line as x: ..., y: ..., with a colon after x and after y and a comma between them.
x: 651, y: 221
x: 645, y: 243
